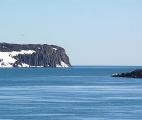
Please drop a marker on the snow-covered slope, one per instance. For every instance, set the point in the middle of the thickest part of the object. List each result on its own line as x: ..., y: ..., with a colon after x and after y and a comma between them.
x: 7, y: 58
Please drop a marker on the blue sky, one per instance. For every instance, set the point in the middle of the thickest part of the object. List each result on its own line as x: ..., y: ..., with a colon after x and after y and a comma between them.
x: 93, y: 32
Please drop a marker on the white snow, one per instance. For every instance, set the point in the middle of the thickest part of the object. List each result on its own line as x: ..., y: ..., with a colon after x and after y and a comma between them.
x: 57, y: 65
x: 55, y: 49
x: 14, y: 53
x: 62, y: 64
x: 7, y: 58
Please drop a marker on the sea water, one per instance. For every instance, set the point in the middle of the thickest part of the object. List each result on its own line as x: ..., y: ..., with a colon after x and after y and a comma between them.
x: 76, y: 93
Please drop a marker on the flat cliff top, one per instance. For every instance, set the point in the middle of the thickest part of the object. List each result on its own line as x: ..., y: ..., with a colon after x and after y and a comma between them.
x: 8, y: 47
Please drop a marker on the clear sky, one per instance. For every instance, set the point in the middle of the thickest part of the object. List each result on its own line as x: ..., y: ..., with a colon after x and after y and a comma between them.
x: 93, y: 32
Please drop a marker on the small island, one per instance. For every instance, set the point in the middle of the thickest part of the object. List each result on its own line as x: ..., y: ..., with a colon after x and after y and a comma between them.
x: 134, y: 74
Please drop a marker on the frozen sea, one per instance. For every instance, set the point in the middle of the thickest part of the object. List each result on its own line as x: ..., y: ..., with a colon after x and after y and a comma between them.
x: 76, y: 93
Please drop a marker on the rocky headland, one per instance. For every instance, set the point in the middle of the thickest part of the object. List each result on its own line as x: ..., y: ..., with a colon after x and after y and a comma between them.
x: 32, y: 55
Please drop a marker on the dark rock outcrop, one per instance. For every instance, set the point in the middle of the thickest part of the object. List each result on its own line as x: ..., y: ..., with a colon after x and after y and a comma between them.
x: 134, y: 74
x: 44, y: 55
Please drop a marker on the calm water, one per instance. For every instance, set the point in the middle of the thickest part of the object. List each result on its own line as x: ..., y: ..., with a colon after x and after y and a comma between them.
x: 77, y: 93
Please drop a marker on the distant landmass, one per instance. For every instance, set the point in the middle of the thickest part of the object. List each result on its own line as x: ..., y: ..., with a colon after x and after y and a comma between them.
x: 134, y: 74
x: 32, y: 55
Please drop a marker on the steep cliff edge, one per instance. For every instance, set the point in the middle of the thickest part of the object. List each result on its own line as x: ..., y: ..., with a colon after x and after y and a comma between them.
x: 32, y: 55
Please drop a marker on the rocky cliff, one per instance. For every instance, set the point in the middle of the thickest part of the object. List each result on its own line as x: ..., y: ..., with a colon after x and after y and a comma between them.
x: 32, y: 55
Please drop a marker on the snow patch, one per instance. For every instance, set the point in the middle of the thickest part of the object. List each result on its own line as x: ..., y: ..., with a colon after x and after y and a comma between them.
x: 63, y: 64
x: 7, y: 58
x: 55, y: 49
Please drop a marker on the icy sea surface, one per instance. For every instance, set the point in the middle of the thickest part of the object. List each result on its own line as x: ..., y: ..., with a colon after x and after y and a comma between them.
x: 77, y: 93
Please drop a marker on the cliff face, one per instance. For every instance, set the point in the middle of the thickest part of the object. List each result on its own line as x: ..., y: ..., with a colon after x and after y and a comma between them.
x: 32, y: 55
